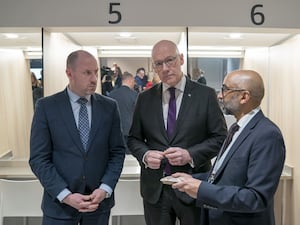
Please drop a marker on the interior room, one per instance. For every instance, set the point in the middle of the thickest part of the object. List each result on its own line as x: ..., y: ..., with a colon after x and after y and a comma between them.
x: 215, y: 50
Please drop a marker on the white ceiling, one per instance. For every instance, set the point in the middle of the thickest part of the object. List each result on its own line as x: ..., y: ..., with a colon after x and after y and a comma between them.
x: 147, y: 36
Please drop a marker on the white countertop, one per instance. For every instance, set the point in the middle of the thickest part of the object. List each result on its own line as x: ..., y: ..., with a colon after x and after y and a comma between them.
x: 19, y: 169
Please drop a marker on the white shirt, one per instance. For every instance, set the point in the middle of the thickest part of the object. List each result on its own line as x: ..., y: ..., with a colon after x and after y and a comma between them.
x: 242, y: 124
x: 166, y: 97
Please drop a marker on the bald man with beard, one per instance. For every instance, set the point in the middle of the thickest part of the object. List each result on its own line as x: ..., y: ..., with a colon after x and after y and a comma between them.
x: 240, y: 187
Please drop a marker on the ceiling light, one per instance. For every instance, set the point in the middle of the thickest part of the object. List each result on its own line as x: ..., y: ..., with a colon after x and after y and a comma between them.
x: 217, y: 54
x: 125, y: 34
x: 34, y: 49
x: 216, y: 48
x: 8, y: 50
x: 124, y: 53
x: 235, y: 36
x: 135, y: 47
x: 11, y: 36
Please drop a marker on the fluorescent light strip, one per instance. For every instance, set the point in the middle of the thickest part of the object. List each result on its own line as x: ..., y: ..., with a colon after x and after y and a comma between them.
x: 33, y: 49
x: 116, y: 52
x: 11, y: 36
x: 9, y: 50
x: 216, y: 48
x: 217, y: 54
x: 34, y: 53
x: 124, y: 47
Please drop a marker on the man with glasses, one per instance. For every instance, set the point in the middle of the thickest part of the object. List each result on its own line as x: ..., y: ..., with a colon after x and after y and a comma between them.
x: 177, y: 126
x: 240, y: 187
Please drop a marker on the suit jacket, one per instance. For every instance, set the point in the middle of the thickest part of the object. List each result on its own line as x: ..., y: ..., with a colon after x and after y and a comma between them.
x: 200, y: 128
x: 126, y: 99
x: 57, y: 156
x: 244, y: 186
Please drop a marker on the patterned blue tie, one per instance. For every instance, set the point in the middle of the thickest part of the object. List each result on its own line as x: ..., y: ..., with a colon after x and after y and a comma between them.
x: 171, y: 122
x: 83, y: 122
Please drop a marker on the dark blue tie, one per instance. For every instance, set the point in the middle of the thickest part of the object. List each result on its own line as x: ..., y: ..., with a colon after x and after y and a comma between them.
x: 171, y: 122
x: 83, y: 122
x: 234, y: 128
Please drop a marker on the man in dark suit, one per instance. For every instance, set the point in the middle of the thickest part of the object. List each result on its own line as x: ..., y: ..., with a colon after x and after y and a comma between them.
x: 242, y: 183
x: 126, y: 98
x: 78, y: 172
x: 197, y: 137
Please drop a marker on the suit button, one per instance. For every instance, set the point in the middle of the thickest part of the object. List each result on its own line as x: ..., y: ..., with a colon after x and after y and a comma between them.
x: 83, y: 177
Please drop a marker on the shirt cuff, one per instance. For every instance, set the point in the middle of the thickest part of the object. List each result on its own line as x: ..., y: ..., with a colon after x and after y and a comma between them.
x: 64, y: 193
x: 143, y: 160
x: 192, y: 164
x: 106, y: 188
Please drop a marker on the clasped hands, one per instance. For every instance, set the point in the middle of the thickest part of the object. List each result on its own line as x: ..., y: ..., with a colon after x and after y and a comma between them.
x: 176, y: 156
x: 85, y: 203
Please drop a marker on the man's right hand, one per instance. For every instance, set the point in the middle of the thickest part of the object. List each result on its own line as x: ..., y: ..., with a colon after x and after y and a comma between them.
x: 82, y: 203
x: 153, y: 159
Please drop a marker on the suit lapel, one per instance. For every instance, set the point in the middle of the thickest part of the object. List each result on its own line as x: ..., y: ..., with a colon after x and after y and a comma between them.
x: 244, y: 134
x: 157, y: 104
x: 186, y: 103
x: 96, y: 115
x: 68, y: 117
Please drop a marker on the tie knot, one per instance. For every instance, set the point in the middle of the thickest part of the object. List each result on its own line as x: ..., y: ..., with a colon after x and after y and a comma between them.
x: 82, y: 101
x: 234, y: 128
x: 172, y: 91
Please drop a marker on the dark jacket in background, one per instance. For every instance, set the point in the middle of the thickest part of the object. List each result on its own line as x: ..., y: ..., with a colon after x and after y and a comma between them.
x: 126, y: 99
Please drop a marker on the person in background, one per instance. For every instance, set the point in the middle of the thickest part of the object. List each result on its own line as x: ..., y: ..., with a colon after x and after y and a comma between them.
x: 198, y: 75
x: 240, y: 187
x: 126, y: 98
x: 196, y: 137
x: 118, y: 77
x: 141, y: 79
x: 202, y: 79
x: 155, y: 80
x: 106, y: 83
x: 37, y: 89
x: 77, y: 148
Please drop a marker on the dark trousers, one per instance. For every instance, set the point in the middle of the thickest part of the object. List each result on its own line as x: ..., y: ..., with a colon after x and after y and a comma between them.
x: 83, y: 219
x: 168, y: 208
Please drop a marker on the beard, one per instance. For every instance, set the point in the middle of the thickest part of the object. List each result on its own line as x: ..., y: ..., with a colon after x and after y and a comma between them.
x: 227, y: 108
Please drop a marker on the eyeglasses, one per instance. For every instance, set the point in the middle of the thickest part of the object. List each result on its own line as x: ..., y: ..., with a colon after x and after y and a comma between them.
x: 169, y: 61
x: 225, y: 89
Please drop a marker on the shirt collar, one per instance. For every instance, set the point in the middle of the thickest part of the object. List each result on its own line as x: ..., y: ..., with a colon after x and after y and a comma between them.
x: 74, y: 97
x: 179, y: 86
x: 246, y: 118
